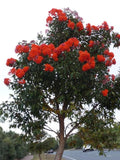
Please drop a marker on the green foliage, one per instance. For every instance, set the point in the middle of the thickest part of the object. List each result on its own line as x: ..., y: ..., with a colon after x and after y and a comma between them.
x: 43, y: 145
x: 99, y: 132
x: 11, y: 146
x: 50, y: 143
x: 74, y: 141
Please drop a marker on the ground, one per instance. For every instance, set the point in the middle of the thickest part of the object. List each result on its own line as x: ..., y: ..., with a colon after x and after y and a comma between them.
x: 30, y: 157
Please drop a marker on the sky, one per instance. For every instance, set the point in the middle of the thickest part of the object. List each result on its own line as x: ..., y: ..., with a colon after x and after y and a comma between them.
x: 23, y: 19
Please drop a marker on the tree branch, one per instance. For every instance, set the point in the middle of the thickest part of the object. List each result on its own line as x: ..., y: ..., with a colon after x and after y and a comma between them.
x: 76, y: 125
x: 50, y: 129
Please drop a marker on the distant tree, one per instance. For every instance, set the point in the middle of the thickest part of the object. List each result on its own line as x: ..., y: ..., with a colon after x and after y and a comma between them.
x: 1, y: 143
x: 11, y: 146
x: 99, y: 133
x: 50, y: 143
x: 9, y: 149
x: 36, y: 143
x: 64, y: 75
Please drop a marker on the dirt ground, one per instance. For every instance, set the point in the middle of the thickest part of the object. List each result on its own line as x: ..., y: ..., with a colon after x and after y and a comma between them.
x: 30, y: 157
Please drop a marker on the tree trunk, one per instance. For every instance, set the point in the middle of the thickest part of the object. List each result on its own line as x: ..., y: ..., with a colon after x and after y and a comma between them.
x: 40, y: 156
x: 62, y: 139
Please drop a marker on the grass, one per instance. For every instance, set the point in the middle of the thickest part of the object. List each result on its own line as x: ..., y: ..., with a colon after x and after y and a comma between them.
x: 45, y: 156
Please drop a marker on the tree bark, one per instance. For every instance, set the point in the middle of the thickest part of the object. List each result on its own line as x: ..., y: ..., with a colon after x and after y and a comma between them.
x: 62, y: 139
x: 40, y: 156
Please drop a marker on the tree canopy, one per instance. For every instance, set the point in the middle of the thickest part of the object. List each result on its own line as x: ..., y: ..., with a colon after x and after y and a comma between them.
x: 64, y: 75
x: 12, y: 146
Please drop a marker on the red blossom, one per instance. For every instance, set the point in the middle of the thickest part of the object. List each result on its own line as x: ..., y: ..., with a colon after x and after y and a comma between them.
x: 95, y: 27
x: 7, y: 81
x: 51, y: 46
x: 105, y: 25
x: 108, y: 62
x: 49, y: 68
x: 22, y: 81
x: 106, y: 51
x: 35, y: 51
x: 12, y: 71
x: 100, y: 58
x: 72, y: 42
x: 26, y: 68
x: 71, y: 24
x: 10, y: 62
x: 49, y: 19
x: 62, y: 17
x: 59, y: 14
x: 92, y: 62
x: 84, y: 56
x: 111, y: 54
x: 22, y: 48
x: 80, y: 26
x: 19, y: 73
x: 38, y: 59
x: 113, y: 61
x: 53, y: 11
x: 113, y: 77
x: 19, y: 49
x: 118, y: 36
x: 105, y: 92
x: 55, y: 56
x: 88, y: 28
x: 26, y: 49
x: 91, y: 43
x: 86, y: 67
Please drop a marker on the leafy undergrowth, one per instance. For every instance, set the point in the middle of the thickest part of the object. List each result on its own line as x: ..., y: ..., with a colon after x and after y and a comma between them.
x: 45, y: 156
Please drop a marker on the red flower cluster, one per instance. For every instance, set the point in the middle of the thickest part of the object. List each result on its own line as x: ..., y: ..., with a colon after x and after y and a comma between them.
x: 49, y: 68
x: 91, y: 43
x: 105, y: 92
x: 26, y: 68
x: 12, y: 71
x: 58, y: 13
x: 49, y: 19
x: 84, y: 56
x: 71, y: 24
x: 113, y: 77
x: 22, y: 49
x: 88, y: 28
x: 110, y: 59
x: 21, y: 72
x: 37, y: 52
x: 118, y: 36
x: 100, y: 58
x: 96, y: 28
x: 80, y: 26
x: 7, y: 81
x: 10, y: 62
x: 22, y: 81
x: 66, y: 46
x: 55, y: 56
x: 104, y: 26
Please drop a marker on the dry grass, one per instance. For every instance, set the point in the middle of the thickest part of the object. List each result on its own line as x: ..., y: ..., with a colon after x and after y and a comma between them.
x: 45, y: 157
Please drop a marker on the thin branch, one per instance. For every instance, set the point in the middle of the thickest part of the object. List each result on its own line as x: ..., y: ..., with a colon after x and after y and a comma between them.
x: 76, y: 125
x: 50, y: 129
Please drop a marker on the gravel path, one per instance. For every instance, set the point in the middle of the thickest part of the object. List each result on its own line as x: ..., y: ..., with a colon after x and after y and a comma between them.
x: 28, y: 158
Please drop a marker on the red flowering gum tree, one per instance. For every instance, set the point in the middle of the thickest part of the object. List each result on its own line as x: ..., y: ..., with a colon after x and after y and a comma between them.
x: 65, y: 76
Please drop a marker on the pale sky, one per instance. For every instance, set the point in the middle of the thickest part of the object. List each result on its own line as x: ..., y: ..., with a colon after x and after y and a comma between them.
x: 23, y: 19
